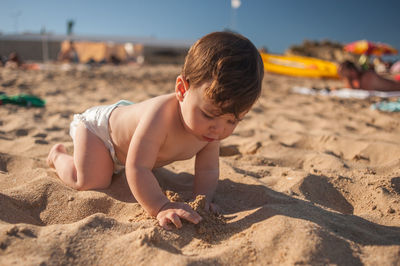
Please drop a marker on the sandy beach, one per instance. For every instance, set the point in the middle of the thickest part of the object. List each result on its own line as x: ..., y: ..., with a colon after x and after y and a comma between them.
x: 305, y: 179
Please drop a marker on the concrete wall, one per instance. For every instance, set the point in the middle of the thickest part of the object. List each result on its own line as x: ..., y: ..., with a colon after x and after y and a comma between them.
x: 164, y: 55
x: 30, y: 50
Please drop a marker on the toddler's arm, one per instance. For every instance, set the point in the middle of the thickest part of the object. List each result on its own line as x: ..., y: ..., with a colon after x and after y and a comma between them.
x: 142, y: 153
x: 207, y: 173
x: 147, y: 192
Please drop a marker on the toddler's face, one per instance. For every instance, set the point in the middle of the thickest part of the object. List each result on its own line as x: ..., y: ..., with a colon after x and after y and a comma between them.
x: 202, y: 118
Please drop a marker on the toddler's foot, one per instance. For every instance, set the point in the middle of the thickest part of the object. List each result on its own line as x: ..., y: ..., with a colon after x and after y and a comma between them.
x: 54, y: 151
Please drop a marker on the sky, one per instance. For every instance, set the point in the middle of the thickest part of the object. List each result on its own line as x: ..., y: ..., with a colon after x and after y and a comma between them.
x: 274, y: 24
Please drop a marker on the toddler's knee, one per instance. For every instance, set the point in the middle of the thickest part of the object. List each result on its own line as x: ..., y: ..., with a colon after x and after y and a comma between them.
x: 84, y: 184
x: 81, y: 183
x: 81, y: 186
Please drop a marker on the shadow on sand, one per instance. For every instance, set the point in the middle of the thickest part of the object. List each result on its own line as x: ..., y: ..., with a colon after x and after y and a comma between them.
x: 236, y: 197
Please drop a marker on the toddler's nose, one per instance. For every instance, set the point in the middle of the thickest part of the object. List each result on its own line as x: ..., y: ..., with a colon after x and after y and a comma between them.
x: 217, y: 128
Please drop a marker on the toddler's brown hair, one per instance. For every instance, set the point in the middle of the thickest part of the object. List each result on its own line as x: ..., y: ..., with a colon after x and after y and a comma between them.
x: 233, y: 66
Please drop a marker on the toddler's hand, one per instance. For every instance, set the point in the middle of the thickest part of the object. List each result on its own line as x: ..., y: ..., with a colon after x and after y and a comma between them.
x: 172, y: 211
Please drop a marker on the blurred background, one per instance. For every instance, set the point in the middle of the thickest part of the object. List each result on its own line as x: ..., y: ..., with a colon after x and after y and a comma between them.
x: 165, y: 29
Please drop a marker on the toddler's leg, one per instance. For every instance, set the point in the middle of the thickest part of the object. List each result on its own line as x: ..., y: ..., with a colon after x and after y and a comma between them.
x: 91, y: 167
x: 63, y: 163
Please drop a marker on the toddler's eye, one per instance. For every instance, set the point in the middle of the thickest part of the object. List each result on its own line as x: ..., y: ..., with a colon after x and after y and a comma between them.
x: 233, y: 122
x: 207, y: 116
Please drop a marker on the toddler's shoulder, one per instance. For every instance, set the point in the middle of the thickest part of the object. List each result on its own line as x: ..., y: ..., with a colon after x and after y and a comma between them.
x: 159, y: 108
x: 160, y: 103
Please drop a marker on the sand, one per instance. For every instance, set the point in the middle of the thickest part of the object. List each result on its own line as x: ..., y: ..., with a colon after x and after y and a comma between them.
x: 304, y: 180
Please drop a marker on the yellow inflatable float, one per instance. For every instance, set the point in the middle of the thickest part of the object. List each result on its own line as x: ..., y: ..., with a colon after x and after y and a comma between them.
x: 299, y: 66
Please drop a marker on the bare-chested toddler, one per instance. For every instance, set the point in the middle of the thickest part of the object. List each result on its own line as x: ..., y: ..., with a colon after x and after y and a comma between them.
x: 220, y: 81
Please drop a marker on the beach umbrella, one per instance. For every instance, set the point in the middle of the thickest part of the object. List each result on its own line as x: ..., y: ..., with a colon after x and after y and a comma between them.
x: 370, y: 48
x: 386, y: 49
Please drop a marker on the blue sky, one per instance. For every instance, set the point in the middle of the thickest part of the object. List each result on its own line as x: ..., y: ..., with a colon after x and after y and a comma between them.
x: 275, y: 24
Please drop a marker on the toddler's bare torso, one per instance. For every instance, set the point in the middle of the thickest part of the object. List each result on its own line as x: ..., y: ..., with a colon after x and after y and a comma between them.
x: 178, y: 144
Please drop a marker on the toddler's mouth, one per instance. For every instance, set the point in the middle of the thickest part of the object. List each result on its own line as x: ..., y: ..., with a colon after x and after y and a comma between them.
x: 208, y: 139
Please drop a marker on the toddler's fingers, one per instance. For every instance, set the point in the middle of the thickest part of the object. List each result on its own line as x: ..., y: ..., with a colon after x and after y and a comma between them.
x: 164, y: 224
x: 174, y: 218
x: 190, y: 216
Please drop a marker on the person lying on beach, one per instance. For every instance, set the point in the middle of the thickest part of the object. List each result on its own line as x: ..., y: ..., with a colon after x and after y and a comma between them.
x: 219, y: 83
x: 365, y: 80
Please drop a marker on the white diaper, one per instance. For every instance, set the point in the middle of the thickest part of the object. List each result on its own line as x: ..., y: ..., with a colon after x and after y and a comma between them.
x: 96, y: 120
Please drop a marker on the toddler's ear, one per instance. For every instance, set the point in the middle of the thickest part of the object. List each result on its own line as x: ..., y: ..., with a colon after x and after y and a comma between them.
x: 181, y: 87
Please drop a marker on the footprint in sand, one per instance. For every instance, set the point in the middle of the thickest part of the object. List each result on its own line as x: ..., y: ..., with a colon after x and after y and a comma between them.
x: 53, y: 128
x: 21, y: 132
x: 40, y: 138
x: 41, y: 141
x: 40, y: 135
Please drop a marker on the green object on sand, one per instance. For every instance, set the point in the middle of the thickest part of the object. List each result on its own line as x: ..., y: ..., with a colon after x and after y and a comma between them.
x: 22, y: 100
x: 387, y: 106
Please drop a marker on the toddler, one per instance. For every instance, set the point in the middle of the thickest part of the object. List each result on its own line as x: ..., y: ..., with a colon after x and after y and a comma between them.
x: 220, y: 81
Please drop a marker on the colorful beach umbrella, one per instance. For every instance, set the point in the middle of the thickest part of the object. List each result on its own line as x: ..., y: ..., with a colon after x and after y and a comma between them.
x: 370, y: 48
